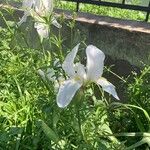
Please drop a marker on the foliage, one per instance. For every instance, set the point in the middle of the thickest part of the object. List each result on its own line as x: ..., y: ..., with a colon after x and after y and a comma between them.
x: 29, y: 116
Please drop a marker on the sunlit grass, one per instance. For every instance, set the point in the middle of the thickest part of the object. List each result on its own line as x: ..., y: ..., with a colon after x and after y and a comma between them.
x: 104, y: 11
x: 29, y: 116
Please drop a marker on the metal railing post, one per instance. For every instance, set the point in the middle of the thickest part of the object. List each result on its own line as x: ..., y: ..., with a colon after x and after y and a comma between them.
x: 123, y: 1
x: 77, y: 6
x: 147, y: 15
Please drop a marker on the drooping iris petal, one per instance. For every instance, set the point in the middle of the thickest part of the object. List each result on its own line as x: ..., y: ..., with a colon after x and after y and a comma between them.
x: 55, y: 23
x: 68, y: 64
x: 42, y: 29
x: 66, y: 92
x: 23, y: 19
x: 108, y: 87
x: 95, y: 62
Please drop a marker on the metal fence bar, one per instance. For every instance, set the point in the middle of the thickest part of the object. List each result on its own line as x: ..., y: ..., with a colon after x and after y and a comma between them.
x: 117, y: 5
x: 77, y: 7
x: 147, y: 15
x: 123, y: 1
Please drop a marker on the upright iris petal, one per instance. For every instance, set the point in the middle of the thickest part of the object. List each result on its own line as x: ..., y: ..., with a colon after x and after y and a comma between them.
x: 80, y: 73
x: 95, y: 62
x: 27, y: 4
x: 44, y: 7
x: 68, y: 64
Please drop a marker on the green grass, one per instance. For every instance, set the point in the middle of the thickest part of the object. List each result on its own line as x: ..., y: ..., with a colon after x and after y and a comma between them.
x: 29, y: 116
x: 105, y: 11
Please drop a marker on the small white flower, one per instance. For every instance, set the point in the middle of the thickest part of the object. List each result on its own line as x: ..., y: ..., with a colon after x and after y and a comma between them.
x: 80, y: 75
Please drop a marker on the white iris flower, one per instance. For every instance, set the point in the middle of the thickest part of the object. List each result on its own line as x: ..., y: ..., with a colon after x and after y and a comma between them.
x: 39, y: 9
x: 79, y: 75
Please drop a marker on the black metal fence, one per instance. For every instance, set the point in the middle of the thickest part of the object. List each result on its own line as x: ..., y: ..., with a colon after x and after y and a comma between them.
x: 122, y: 5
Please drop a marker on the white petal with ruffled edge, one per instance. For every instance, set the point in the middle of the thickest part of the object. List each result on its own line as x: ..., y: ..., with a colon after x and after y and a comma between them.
x: 68, y: 64
x: 43, y: 7
x: 108, y: 87
x: 66, y: 92
x: 95, y: 62
x: 55, y: 23
x: 42, y: 29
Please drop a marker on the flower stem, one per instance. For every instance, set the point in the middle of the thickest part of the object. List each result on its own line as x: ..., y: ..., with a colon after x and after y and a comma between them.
x: 79, y: 119
x: 60, y: 47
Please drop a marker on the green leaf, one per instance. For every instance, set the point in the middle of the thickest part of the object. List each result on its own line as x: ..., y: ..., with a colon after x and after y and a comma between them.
x: 139, y: 123
x: 49, y: 132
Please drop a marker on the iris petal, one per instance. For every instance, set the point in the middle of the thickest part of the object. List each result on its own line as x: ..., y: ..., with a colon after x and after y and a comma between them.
x: 55, y: 23
x: 27, y: 4
x: 108, y: 87
x: 42, y: 29
x: 23, y: 19
x: 68, y: 64
x: 43, y: 7
x: 80, y: 71
x: 66, y: 92
x: 95, y: 62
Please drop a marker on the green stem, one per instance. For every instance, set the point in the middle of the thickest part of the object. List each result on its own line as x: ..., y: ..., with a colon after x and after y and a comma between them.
x: 60, y: 48
x: 79, y: 120
x: 6, y: 22
x: 115, y: 74
x: 71, y: 38
x: 43, y: 49
x: 143, y: 141
x: 132, y: 134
